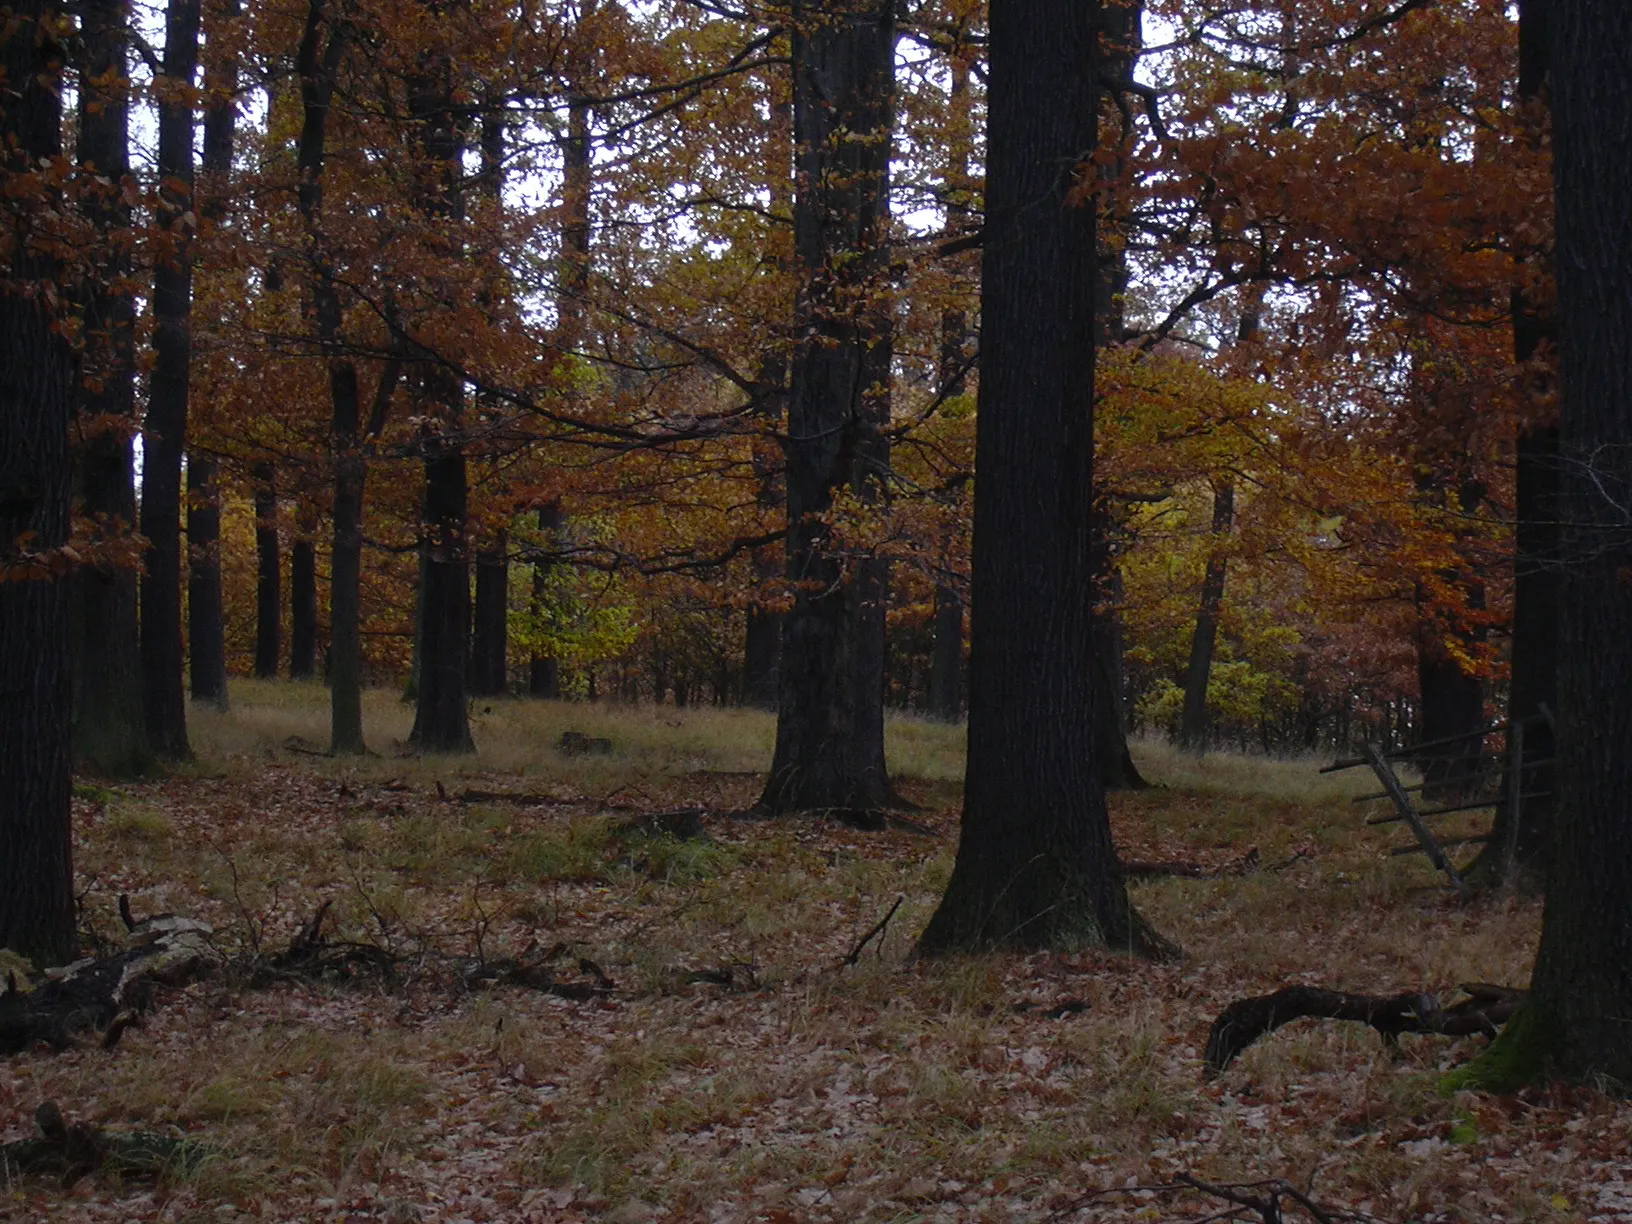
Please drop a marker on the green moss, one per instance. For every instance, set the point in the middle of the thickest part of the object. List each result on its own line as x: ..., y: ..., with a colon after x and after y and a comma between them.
x: 1517, y: 1057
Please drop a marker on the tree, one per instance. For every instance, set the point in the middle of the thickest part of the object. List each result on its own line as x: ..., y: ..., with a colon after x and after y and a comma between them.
x: 1574, y: 1024
x: 36, y: 389
x: 830, y: 715
x: 165, y: 430
x: 268, y: 576
x: 110, y: 734
x: 1035, y: 865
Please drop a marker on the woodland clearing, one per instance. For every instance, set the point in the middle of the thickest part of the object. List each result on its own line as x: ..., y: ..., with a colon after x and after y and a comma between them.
x: 741, y: 1067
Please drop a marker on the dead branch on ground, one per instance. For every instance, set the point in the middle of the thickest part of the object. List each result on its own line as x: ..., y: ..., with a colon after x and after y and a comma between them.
x: 1243, y: 1022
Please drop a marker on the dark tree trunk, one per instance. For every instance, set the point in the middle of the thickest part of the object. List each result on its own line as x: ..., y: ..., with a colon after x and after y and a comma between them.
x: 268, y: 576
x: 206, y: 620
x: 318, y: 62
x: 946, y: 658
x: 206, y: 625
x: 110, y: 736
x: 1575, y: 1023
x: 441, y: 718
x: 303, y: 608
x: 1119, y: 44
x: 36, y: 398
x: 165, y: 432
x: 1193, y: 726
x: 1519, y: 848
x: 830, y: 713
x: 441, y: 715
x: 489, y: 643
x: 544, y: 671
x: 946, y: 652
x: 1036, y: 866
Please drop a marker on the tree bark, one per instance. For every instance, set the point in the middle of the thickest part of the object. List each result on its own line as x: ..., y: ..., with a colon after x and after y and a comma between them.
x: 36, y: 398
x: 1575, y: 1023
x: 1036, y: 867
x: 268, y: 575
x: 165, y: 431
x: 1193, y: 726
x: 110, y: 735
x: 830, y: 714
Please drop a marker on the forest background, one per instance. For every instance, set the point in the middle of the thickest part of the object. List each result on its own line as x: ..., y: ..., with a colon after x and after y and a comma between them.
x: 548, y: 257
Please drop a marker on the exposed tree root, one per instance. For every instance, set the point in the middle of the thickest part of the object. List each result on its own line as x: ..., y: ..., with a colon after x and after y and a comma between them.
x: 1243, y: 1022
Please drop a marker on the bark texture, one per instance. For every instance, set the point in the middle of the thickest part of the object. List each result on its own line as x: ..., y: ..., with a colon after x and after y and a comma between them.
x: 830, y: 712
x: 1036, y: 866
x: 1581, y: 993
x: 36, y: 395
x: 303, y: 608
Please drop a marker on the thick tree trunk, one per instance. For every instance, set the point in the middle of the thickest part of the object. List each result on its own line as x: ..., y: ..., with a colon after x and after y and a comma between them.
x: 441, y: 716
x: 36, y: 397
x: 206, y: 623
x: 1193, y: 726
x: 830, y: 713
x: 441, y: 719
x: 1035, y: 865
x: 1575, y: 1023
x: 268, y: 575
x: 165, y: 432
x: 489, y: 641
x: 303, y: 608
x: 110, y: 736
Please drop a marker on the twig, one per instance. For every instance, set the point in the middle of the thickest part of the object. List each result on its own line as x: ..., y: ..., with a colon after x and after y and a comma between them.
x: 877, y: 929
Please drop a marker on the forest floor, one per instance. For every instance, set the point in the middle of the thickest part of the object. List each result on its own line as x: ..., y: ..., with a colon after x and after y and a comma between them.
x: 737, y: 1068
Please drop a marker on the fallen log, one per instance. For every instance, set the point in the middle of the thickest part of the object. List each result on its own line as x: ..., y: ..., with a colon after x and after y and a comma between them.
x: 1243, y: 1022
x: 109, y: 992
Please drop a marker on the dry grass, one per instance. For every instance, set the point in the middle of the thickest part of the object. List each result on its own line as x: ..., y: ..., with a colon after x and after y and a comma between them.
x: 888, y: 1090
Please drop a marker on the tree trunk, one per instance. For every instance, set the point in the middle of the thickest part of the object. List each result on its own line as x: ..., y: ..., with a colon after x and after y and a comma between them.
x: 110, y: 735
x: 489, y: 643
x: 830, y: 714
x: 441, y: 716
x: 303, y: 606
x: 441, y: 719
x: 946, y: 658
x: 1519, y: 849
x: 1036, y: 867
x: 165, y: 432
x: 1575, y: 1023
x: 268, y: 564
x: 206, y: 625
x: 36, y: 397
x: 318, y: 62
x: 1120, y: 40
x: 1193, y: 727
